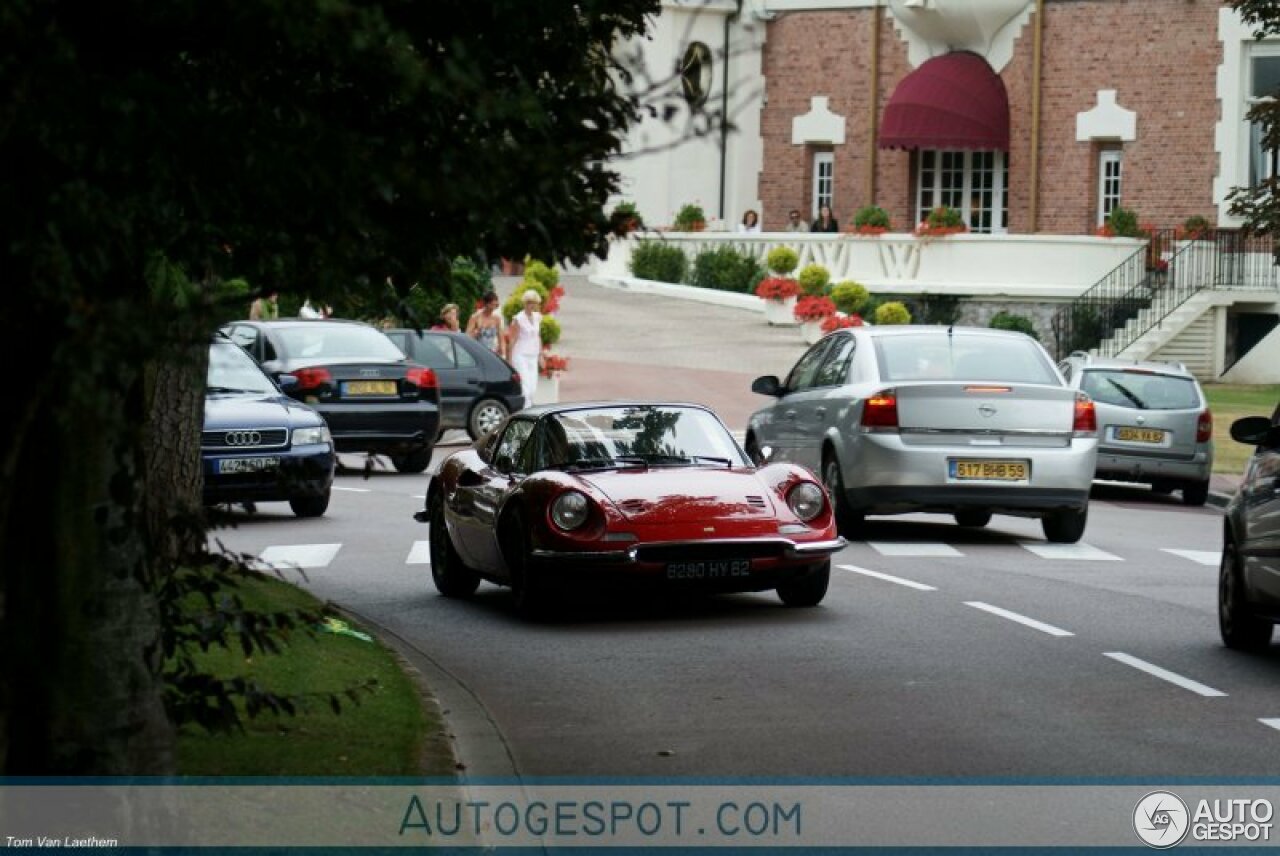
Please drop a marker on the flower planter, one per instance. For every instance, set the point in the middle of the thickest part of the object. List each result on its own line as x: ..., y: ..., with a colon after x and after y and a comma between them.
x: 547, y: 391
x: 811, y: 331
x: 780, y: 313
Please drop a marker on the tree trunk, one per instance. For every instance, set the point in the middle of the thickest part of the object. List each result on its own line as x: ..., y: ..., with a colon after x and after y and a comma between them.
x: 175, y: 419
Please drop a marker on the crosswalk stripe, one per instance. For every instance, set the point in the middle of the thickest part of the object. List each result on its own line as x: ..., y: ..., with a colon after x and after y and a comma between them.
x: 915, y: 549
x: 889, y: 578
x: 420, y: 554
x: 298, y: 556
x: 1200, y: 557
x: 1071, y: 552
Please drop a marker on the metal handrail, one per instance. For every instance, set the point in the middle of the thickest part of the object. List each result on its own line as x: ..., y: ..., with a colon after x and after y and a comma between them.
x: 1088, y: 319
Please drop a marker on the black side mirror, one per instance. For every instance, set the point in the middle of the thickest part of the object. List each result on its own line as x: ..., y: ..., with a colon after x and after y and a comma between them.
x: 767, y: 385
x: 1252, y: 431
x: 288, y: 383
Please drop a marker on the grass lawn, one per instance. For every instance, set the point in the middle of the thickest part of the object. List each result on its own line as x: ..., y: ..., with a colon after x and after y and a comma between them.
x: 388, y: 734
x: 1230, y: 402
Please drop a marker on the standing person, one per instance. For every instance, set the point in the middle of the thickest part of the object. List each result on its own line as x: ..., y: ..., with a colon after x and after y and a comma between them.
x: 485, y: 326
x: 750, y: 222
x: 265, y: 308
x: 794, y: 223
x: 448, y: 318
x: 524, y: 338
x: 825, y: 222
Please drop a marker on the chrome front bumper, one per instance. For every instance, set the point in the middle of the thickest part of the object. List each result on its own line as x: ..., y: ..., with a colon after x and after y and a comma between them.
x: 791, y: 550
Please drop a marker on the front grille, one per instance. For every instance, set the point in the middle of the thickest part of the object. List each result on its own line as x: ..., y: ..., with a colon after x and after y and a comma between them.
x: 243, y: 439
x: 720, y: 550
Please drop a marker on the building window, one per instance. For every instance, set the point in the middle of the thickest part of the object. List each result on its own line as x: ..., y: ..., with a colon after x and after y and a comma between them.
x: 973, y: 183
x: 824, y: 177
x: 1109, y: 174
x: 1264, y: 82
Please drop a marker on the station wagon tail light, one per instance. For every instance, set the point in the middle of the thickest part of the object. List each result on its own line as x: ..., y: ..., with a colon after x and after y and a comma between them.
x: 1204, y: 427
x: 312, y: 378
x: 1085, y: 420
x: 422, y: 378
x: 515, y: 378
x: 880, y: 411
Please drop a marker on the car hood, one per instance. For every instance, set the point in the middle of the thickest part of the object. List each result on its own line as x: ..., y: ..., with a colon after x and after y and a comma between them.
x: 680, y: 495
x: 256, y: 411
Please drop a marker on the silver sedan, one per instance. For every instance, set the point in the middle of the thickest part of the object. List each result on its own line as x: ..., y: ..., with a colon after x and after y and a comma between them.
x: 960, y: 420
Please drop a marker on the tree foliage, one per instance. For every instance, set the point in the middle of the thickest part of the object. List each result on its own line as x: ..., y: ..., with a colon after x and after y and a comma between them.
x: 1259, y: 205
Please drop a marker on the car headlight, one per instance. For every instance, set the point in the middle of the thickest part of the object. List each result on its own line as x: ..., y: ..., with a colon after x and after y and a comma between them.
x: 806, y: 501
x: 311, y: 436
x: 569, y: 511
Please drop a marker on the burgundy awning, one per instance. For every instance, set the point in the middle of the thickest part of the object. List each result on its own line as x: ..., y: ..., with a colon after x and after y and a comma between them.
x: 953, y: 101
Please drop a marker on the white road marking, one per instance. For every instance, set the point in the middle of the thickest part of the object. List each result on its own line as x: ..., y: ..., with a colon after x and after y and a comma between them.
x: 419, y: 496
x: 914, y: 549
x: 1271, y: 723
x: 1021, y: 619
x: 299, y: 556
x: 420, y: 554
x: 1073, y: 552
x: 887, y: 578
x: 353, y: 489
x: 1166, y: 675
x: 1210, y: 558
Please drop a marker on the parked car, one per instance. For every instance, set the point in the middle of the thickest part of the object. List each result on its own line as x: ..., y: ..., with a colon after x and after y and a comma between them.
x: 372, y: 397
x: 258, y: 444
x: 576, y: 494
x: 1154, y: 423
x: 1249, y: 575
x: 478, y: 388
x: 959, y: 420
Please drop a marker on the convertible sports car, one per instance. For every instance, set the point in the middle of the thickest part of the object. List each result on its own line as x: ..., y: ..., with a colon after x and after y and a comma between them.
x: 572, y: 494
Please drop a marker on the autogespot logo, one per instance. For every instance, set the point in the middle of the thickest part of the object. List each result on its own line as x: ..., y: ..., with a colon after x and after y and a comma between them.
x: 1161, y: 819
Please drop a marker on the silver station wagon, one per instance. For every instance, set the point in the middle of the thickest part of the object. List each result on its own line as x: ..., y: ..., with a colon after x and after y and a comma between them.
x: 958, y: 420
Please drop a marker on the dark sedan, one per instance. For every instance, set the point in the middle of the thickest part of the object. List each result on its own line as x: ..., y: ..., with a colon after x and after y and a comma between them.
x: 1249, y: 576
x: 373, y: 398
x: 259, y: 445
x: 478, y: 388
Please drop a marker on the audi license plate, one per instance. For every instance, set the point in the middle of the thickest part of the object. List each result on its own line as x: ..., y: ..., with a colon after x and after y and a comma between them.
x: 369, y: 387
x: 247, y: 465
x: 989, y: 470
x: 709, y: 569
x: 1140, y: 435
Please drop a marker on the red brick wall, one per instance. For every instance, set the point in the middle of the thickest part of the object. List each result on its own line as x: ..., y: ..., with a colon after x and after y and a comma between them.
x: 1160, y: 55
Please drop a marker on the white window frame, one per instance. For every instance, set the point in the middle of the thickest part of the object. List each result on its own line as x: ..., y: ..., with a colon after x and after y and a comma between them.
x: 928, y: 198
x: 1106, y: 158
x: 1258, y: 163
x: 820, y: 160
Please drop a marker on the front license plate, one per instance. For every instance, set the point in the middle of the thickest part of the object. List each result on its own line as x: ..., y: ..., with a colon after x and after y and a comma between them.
x: 369, y: 387
x: 989, y: 470
x: 1140, y: 435
x: 247, y: 465
x: 711, y: 569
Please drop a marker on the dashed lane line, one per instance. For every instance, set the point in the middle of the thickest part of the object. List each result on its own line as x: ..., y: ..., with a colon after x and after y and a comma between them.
x: 298, y: 556
x: 887, y: 578
x: 353, y: 489
x: 1166, y: 675
x: 1020, y: 619
x: 915, y: 549
x: 420, y: 554
x: 1271, y: 723
x: 1200, y: 557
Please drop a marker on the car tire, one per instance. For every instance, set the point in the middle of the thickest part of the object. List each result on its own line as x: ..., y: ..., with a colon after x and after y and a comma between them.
x: 1241, y: 630
x: 973, y: 518
x: 849, y: 523
x: 310, y: 506
x: 531, y: 595
x: 1065, y: 527
x: 414, y: 462
x: 1195, y: 493
x: 486, y: 414
x: 809, y: 590
x: 450, y: 574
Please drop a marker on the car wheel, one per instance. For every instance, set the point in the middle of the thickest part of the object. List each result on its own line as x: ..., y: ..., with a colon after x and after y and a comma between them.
x: 1240, y: 629
x: 1195, y: 493
x: 450, y: 574
x: 310, y: 506
x: 1065, y: 527
x: 973, y: 518
x: 530, y: 592
x: 414, y: 462
x: 486, y: 415
x: 848, y: 522
x: 809, y: 590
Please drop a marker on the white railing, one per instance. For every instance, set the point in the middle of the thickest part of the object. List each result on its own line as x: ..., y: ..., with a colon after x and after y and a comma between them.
x: 1026, y: 266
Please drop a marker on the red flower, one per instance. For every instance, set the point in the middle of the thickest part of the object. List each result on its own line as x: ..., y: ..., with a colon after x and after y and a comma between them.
x: 866, y: 231
x: 814, y: 308
x: 777, y: 288
x: 839, y: 322
x: 551, y: 365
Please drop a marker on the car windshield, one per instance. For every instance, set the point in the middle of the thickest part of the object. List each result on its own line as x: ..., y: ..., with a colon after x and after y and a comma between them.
x: 1139, y: 390
x: 232, y: 371
x: 649, y: 435
x: 338, y: 342
x: 943, y: 356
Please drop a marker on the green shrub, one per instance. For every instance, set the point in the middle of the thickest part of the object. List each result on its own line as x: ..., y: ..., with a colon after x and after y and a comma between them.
x: 690, y: 218
x: 659, y: 262
x: 1123, y: 223
x: 813, y: 279
x: 549, y: 331
x: 420, y: 306
x: 515, y: 301
x: 726, y: 269
x: 1196, y: 227
x: 871, y: 215
x: 893, y: 312
x: 782, y: 260
x: 944, y: 217
x: 545, y: 275
x: 1003, y: 320
x: 850, y: 297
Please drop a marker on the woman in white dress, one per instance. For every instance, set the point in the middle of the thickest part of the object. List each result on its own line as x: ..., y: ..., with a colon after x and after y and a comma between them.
x: 524, y: 338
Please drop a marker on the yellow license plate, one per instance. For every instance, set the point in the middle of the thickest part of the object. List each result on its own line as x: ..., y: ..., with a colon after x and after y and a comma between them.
x: 1140, y: 435
x: 989, y: 470
x: 370, y: 387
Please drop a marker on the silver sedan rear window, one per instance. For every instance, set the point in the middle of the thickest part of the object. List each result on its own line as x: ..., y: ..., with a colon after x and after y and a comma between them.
x: 1140, y: 390
x: 939, y: 356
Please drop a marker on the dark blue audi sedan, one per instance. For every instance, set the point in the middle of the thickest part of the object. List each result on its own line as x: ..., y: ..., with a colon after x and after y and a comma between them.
x: 258, y: 444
